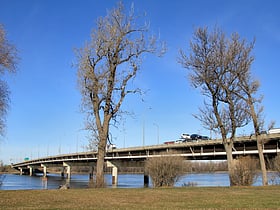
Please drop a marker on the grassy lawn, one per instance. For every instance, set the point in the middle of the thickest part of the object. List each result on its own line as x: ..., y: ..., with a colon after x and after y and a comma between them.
x: 165, y: 198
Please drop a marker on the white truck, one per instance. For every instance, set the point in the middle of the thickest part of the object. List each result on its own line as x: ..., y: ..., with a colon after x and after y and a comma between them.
x: 274, y: 130
x: 110, y: 147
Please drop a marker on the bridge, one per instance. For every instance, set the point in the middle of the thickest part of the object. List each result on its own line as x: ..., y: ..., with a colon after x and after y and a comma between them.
x: 136, y: 156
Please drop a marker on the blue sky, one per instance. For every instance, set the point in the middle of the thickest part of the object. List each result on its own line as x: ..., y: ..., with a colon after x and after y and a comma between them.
x: 45, y: 118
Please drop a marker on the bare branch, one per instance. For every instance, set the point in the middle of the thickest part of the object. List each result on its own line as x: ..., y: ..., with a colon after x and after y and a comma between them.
x: 8, y: 63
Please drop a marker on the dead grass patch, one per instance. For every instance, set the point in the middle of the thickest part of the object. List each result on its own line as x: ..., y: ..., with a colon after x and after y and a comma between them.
x: 162, y: 198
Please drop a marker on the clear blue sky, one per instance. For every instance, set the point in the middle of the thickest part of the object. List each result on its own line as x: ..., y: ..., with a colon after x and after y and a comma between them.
x: 45, y: 118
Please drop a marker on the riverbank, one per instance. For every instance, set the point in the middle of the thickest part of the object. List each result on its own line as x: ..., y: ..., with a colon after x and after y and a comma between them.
x: 165, y: 198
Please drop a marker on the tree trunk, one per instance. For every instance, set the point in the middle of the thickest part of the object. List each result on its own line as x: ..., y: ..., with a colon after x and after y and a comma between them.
x: 100, y: 170
x: 100, y: 182
x: 259, y: 140
x: 228, y: 147
x: 262, y: 161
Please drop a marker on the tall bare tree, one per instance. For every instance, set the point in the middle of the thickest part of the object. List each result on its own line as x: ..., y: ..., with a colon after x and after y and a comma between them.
x: 107, y: 65
x: 213, y: 62
x: 249, y: 87
x: 246, y: 90
x: 8, y: 61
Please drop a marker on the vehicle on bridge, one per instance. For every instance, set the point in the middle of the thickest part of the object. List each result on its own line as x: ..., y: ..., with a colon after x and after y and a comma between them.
x: 169, y: 142
x: 274, y: 130
x: 179, y: 141
x: 111, y: 146
x: 198, y: 137
x: 205, y: 138
x: 186, y: 136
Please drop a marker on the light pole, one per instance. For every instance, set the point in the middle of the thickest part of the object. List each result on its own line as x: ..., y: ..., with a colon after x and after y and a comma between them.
x: 157, y: 132
x: 143, y: 133
x: 144, y: 118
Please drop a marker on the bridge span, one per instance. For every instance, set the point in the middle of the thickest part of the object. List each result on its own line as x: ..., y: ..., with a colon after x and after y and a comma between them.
x: 136, y: 156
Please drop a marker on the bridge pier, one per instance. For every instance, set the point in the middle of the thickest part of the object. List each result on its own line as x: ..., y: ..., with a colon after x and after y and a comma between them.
x: 68, y: 170
x: 20, y: 170
x: 146, y: 178
x: 114, y: 173
x: 62, y: 171
x: 44, y: 170
x: 30, y: 170
x: 91, y: 169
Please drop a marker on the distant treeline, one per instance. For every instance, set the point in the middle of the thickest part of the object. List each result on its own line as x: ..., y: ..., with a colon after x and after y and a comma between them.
x: 190, y: 167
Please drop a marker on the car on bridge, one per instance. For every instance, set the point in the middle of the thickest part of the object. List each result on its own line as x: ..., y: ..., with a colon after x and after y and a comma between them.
x: 111, y: 146
x: 205, y: 138
x: 185, y: 136
x: 274, y: 130
x: 169, y: 142
x: 179, y: 141
x: 198, y: 137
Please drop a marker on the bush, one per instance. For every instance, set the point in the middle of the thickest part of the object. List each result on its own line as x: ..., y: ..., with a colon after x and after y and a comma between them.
x: 205, y: 166
x: 276, y: 164
x: 244, y: 171
x: 165, y: 170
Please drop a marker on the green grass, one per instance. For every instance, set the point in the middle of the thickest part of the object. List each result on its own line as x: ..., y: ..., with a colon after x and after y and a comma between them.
x: 164, y: 198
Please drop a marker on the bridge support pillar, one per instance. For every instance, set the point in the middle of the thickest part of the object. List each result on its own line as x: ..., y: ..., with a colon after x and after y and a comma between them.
x: 114, y: 173
x: 44, y: 170
x: 62, y: 172
x: 30, y: 170
x: 20, y: 170
x: 146, y: 178
x: 91, y: 169
x: 114, y: 176
x: 68, y: 170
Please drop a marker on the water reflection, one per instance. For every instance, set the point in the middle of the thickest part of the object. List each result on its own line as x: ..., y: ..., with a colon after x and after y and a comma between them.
x: 205, y: 180
x: 53, y: 181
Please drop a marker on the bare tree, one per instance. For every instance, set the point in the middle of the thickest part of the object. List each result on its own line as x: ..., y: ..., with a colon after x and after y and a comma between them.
x: 249, y: 87
x: 213, y: 63
x: 107, y: 65
x: 8, y: 61
x: 271, y: 125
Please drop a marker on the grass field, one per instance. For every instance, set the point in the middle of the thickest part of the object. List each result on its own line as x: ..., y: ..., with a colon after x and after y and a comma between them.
x: 165, y: 198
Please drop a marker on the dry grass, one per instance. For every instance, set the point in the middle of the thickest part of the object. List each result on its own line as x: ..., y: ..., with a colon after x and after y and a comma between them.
x: 163, y: 198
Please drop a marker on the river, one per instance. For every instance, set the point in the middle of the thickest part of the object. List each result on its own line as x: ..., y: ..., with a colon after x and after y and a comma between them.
x: 53, y: 181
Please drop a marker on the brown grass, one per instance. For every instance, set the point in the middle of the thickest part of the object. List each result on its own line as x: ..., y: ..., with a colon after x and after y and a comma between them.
x: 162, y: 198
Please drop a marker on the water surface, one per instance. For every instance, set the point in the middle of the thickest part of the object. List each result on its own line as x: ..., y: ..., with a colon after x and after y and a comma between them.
x: 53, y: 181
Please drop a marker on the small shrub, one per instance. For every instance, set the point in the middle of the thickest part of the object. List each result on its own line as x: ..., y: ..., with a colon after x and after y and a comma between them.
x: 244, y: 171
x: 274, y: 178
x: 165, y: 170
x: 276, y: 164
